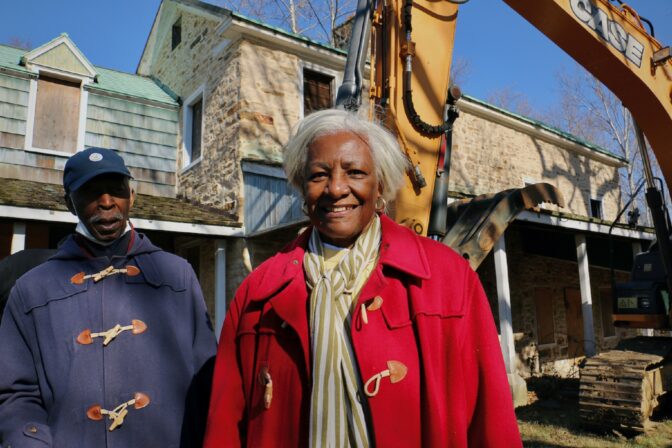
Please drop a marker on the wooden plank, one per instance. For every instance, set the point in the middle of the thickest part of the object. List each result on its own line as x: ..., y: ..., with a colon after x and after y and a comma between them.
x: 131, y: 146
x: 56, y: 115
x: 132, y: 119
x: 154, y: 176
x: 543, y: 301
x: 269, y: 202
x: 25, y: 159
x: 13, y: 96
x: 14, y: 83
x: 574, y: 319
x: 118, y: 104
x: 13, y: 141
x: 14, y: 111
x: 12, y: 126
x: 152, y: 163
x: 130, y: 133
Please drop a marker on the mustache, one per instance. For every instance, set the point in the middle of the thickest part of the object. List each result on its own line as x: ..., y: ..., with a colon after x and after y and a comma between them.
x: 95, y: 219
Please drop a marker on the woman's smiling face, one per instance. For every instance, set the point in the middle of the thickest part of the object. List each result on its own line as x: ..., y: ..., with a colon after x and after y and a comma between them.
x: 341, y: 186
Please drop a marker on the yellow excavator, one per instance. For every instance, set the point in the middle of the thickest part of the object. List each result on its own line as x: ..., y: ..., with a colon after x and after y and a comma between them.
x: 409, y: 89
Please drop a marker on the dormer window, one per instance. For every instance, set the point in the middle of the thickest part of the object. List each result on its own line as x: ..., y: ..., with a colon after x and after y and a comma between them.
x: 177, y: 34
x: 56, y: 125
x: 58, y: 98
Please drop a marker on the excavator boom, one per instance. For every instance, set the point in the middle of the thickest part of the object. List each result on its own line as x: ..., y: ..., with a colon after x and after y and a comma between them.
x: 412, y: 44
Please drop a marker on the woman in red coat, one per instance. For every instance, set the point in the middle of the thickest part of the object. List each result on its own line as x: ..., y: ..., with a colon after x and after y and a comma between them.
x: 359, y: 333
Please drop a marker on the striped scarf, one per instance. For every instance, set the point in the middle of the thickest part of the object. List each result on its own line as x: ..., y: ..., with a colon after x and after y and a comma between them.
x: 336, y: 416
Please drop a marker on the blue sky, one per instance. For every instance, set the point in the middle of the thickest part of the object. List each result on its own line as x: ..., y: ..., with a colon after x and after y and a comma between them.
x: 504, y: 50
x: 501, y: 48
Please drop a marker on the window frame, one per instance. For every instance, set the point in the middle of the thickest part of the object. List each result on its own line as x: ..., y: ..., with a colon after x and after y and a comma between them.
x: 599, y: 201
x: 32, y: 105
x: 336, y: 80
x: 187, y: 124
x: 177, y: 25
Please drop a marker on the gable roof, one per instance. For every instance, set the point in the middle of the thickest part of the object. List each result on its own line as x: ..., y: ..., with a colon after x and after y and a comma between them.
x: 169, y: 11
x: 62, y: 55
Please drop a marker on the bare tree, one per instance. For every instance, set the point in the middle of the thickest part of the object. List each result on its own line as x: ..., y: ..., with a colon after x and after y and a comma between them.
x: 510, y: 99
x: 19, y: 42
x: 315, y: 19
x: 460, y: 69
x: 592, y: 112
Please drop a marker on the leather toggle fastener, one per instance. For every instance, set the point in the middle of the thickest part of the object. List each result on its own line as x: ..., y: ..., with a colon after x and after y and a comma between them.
x: 395, y: 370
x: 375, y: 304
x: 267, y: 382
x: 118, y: 414
x: 136, y: 327
x: 129, y: 270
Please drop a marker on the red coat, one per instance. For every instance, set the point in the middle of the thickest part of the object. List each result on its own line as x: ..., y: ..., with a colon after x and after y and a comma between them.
x: 434, y: 319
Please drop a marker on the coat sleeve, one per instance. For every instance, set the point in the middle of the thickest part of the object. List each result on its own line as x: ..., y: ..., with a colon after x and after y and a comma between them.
x: 493, y: 421
x: 203, y: 349
x: 23, y: 418
x: 226, y: 417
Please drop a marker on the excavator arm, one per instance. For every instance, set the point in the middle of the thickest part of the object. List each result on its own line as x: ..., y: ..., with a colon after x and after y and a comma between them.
x: 411, y: 54
x: 412, y: 44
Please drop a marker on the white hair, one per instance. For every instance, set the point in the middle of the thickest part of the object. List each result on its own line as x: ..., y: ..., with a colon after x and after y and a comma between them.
x: 390, y: 162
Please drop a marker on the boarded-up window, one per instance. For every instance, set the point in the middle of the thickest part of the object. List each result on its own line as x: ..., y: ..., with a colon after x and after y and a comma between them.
x: 316, y: 91
x: 543, y: 301
x: 56, y: 123
x: 606, y: 305
x: 574, y: 320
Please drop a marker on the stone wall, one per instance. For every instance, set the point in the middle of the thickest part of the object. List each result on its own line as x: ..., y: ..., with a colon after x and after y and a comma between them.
x: 201, y: 61
x: 271, y: 100
x: 489, y: 157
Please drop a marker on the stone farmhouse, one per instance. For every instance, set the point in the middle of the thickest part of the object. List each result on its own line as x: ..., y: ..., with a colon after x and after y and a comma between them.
x: 202, y: 124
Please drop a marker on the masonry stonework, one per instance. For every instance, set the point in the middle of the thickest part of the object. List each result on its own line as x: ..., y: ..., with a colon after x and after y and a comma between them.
x: 489, y: 157
x: 199, y: 61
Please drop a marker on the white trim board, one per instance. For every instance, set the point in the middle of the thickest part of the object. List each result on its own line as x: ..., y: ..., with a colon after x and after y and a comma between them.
x: 36, y: 214
x: 567, y: 223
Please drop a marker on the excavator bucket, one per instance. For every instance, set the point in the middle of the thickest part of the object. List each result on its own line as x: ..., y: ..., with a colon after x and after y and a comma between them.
x: 476, y: 224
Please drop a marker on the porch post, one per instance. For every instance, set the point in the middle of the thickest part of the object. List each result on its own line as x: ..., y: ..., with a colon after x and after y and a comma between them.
x: 220, y: 286
x: 18, y: 237
x: 504, y: 305
x: 586, y: 296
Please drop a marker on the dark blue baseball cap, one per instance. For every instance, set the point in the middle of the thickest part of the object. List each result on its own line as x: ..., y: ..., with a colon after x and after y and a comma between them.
x: 92, y: 162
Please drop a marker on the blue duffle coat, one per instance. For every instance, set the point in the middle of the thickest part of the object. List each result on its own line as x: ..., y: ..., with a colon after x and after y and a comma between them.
x: 61, y: 386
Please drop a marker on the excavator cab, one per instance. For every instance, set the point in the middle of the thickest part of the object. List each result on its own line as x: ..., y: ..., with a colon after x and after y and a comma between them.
x: 644, y: 301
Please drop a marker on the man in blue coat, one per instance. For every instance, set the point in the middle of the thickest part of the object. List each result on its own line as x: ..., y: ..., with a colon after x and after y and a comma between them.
x: 108, y: 343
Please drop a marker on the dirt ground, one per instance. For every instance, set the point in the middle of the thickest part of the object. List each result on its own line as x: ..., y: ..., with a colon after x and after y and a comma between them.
x: 551, y: 419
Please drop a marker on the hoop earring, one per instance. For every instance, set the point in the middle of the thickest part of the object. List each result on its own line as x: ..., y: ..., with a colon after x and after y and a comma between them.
x: 380, y: 207
x: 304, y: 208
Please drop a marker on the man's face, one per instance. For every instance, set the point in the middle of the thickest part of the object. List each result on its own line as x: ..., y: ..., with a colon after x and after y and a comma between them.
x: 102, y: 205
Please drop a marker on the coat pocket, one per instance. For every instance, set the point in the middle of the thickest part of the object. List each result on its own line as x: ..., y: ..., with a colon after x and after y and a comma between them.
x: 38, y: 431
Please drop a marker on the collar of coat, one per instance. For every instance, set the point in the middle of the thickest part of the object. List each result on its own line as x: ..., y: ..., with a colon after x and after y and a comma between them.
x: 400, y: 249
x: 141, y: 251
